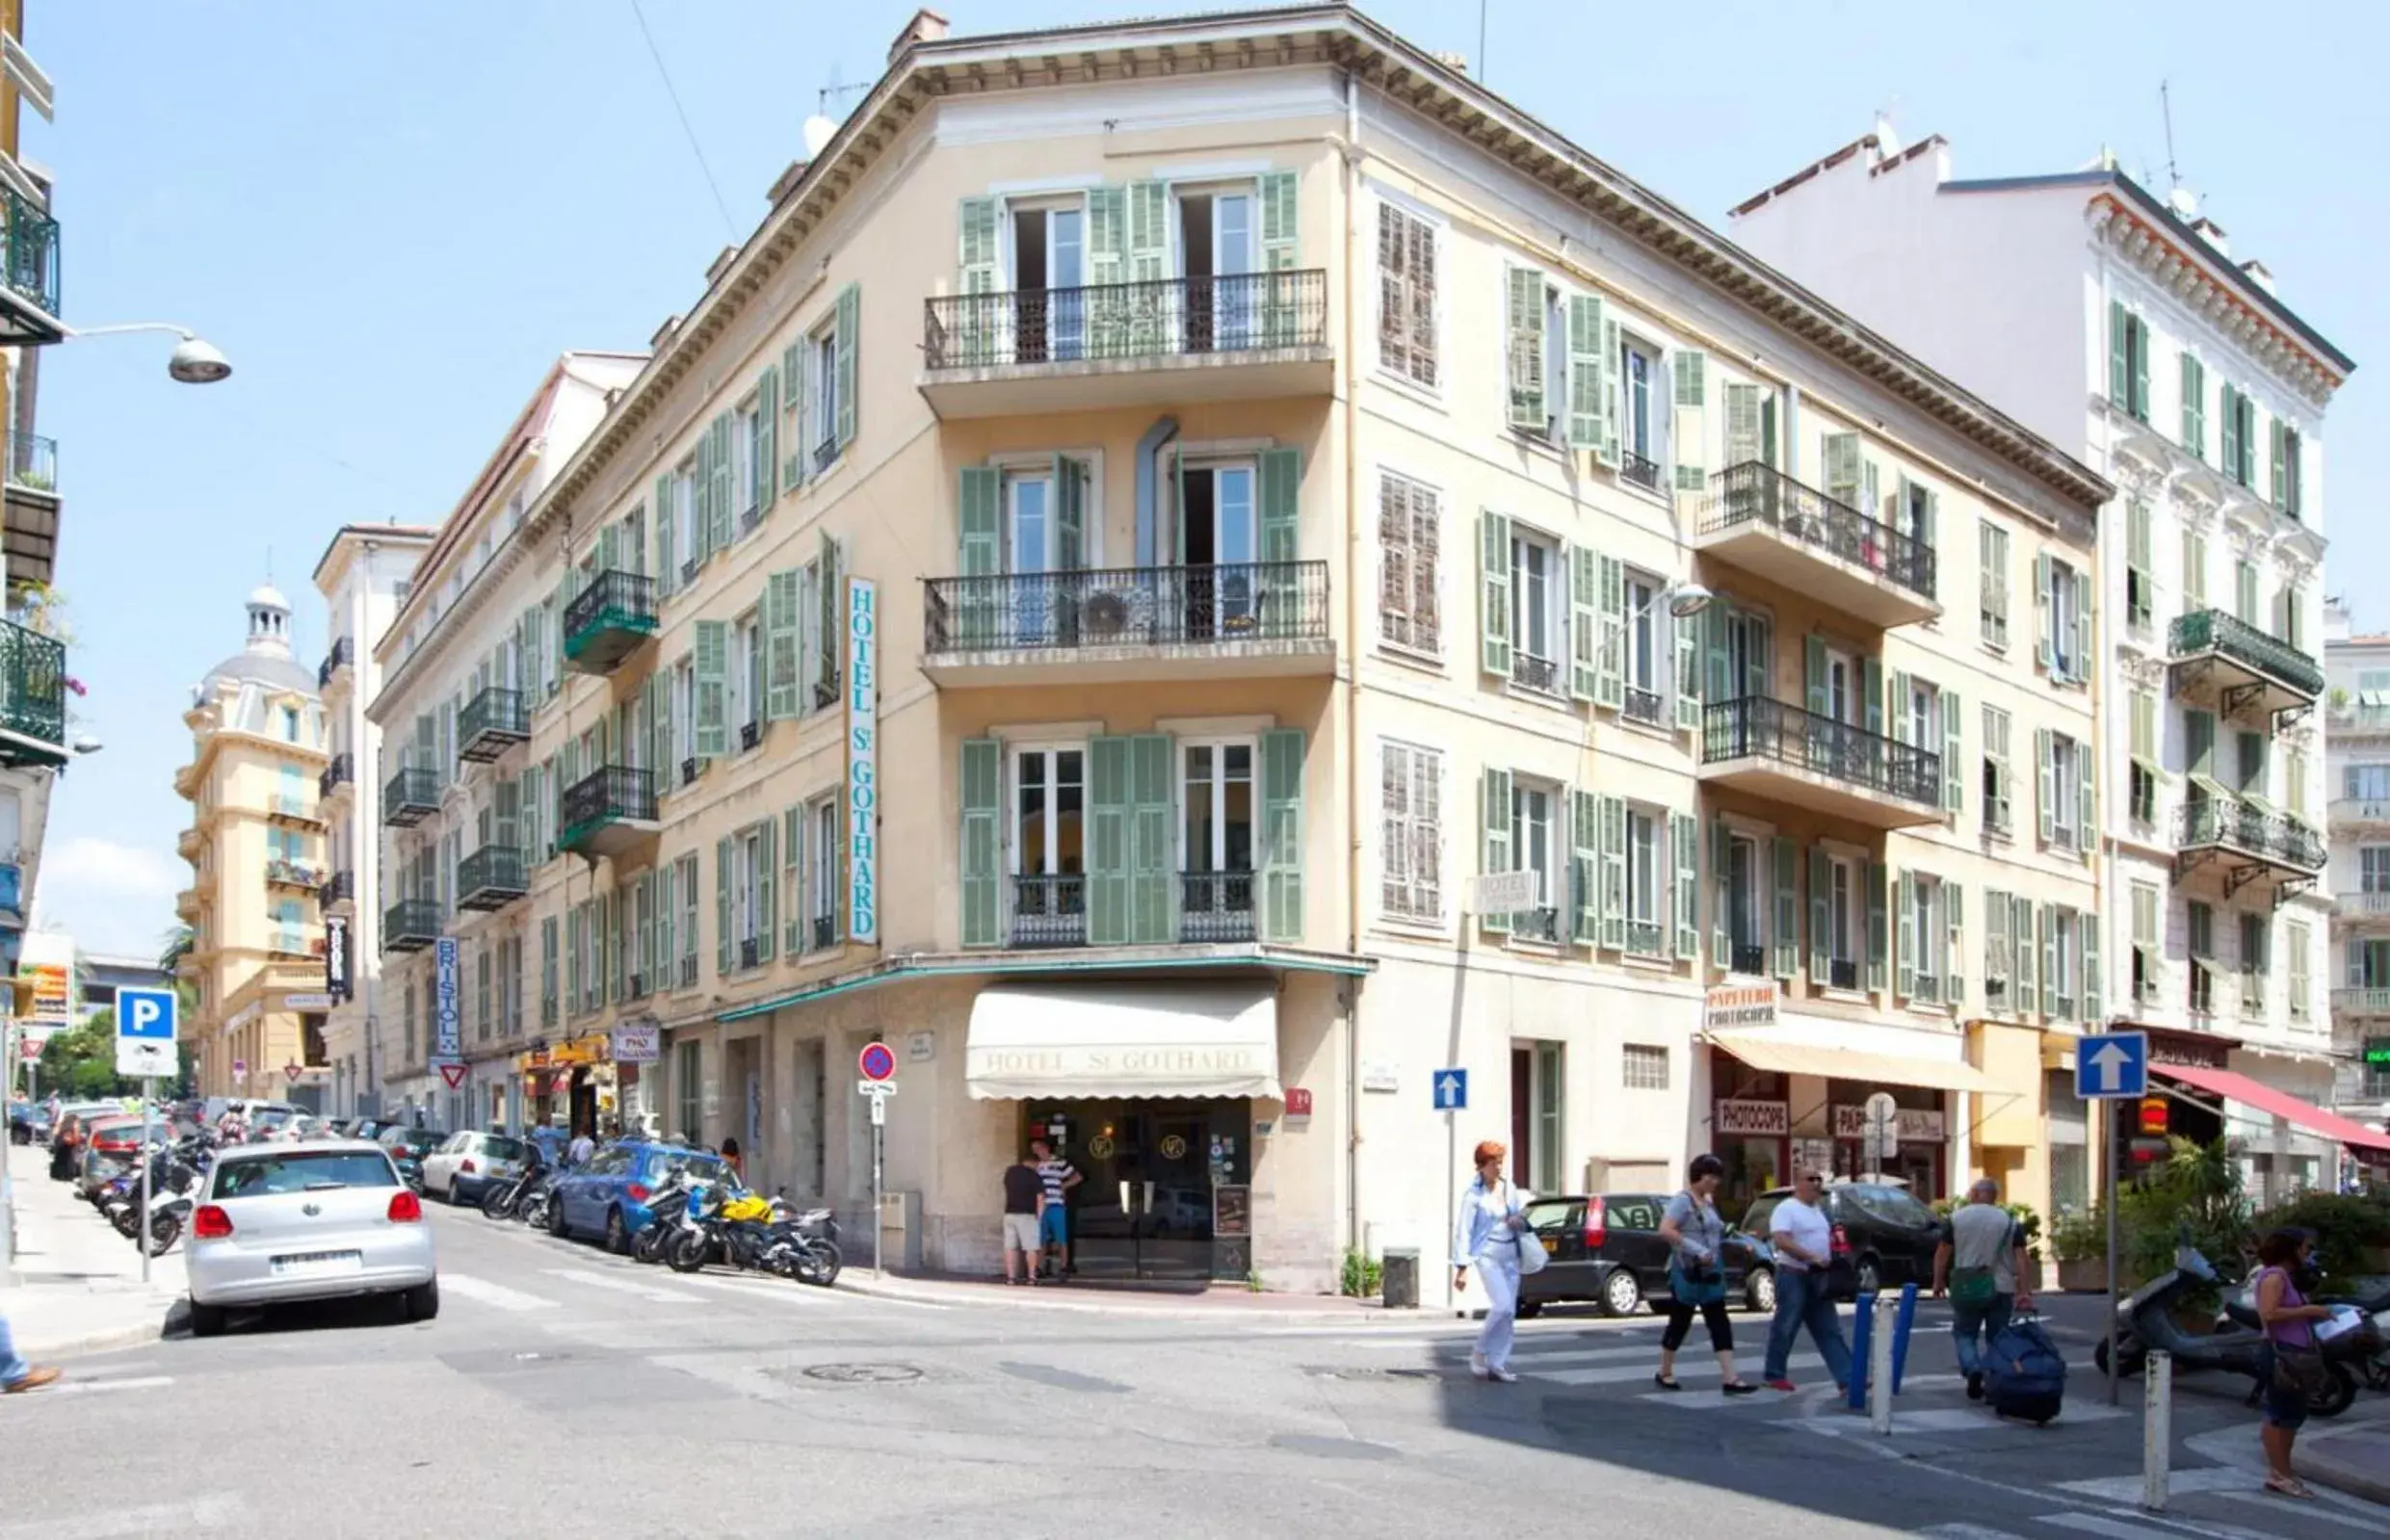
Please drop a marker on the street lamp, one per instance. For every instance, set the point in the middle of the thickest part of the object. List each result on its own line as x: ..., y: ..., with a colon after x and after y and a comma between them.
x: 194, y: 360
x: 1684, y: 600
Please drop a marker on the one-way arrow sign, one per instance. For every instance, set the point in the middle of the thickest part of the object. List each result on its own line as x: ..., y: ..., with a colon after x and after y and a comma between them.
x: 1452, y: 1090
x: 2111, y: 1067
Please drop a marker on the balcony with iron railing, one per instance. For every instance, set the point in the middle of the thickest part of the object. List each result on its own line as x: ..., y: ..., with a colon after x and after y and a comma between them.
x: 295, y: 810
x: 32, y: 510
x: 338, y: 888
x: 1051, y: 910
x: 342, y: 654
x: 337, y: 776
x: 411, y: 795
x: 281, y: 872
x: 33, y: 697
x: 491, y: 878
x: 1782, y: 752
x: 494, y: 721
x: 609, y: 812
x: 608, y: 620
x: 2245, y: 841
x: 1255, y: 335
x: 1759, y: 519
x: 1215, y: 907
x: 2361, y: 911
x: 411, y: 925
x: 1244, y: 620
x: 33, y: 464
x: 2219, y: 660
x: 29, y: 267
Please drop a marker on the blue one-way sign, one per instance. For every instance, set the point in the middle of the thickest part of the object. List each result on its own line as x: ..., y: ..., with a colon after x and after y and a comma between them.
x: 146, y: 1033
x: 2112, y: 1065
x: 1452, y: 1090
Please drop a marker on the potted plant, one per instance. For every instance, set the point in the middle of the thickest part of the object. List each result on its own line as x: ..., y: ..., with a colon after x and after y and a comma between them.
x: 2080, y: 1241
x: 2352, y: 1234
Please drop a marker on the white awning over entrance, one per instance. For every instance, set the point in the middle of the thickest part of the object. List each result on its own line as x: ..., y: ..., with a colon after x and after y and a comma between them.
x: 1124, y: 1039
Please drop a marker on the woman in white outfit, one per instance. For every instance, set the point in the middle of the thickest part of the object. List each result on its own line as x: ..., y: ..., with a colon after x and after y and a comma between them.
x: 1491, y: 1228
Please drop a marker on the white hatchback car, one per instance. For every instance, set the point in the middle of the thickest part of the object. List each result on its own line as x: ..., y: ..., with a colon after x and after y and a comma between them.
x: 317, y: 1219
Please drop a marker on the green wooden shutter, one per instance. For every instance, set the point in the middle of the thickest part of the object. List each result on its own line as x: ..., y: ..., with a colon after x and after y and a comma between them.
x: 2043, y: 626
x: 1954, y: 754
x: 1523, y: 347
x: 767, y: 438
x: 1279, y: 209
x: 1842, y: 468
x: 2139, y: 339
x: 1879, y: 936
x: 1685, y: 846
x: 1785, y: 934
x: 723, y: 509
x: 573, y: 929
x: 784, y: 599
x: 2194, y: 406
x: 667, y: 920
x: 767, y: 919
x: 1814, y: 671
x: 667, y: 570
x: 1688, y: 677
x: 1587, y: 398
x: 1743, y: 424
x: 1955, y: 953
x: 1904, y: 960
x: 723, y: 954
x: 1153, y: 874
x: 1493, y: 611
x: 1281, y: 480
x: 1584, y: 624
x: 1070, y: 513
x: 1494, y: 833
x: 1689, y: 423
x: 793, y: 467
x: 831, y: 567
x: 792, y: 862
x: 983, y: 843
x: 2230, y: 413
x: 2045, y: 806
x: 1820, y: 919
x: 712, y: 738
x: 2094, y: 1006
x: 1613, y: 872
x: 2277, y: 483
x: 2045, y: 925
x: 2120, y: 363
x: 2081, y: 639
x: 1148, y: 229
x: 1900, y: 708
x: 1107, y: 263
x: 1283, y: 834
x: 848, y: 334
x: 1722, y: 894
x: 2087, y: 823
x: 976, y: 222
x: 1109, y: 813
x: 609, y: 949
x: 1871, y: 694
x: 1609, y: 672
x: 2024, y: 956
x: 1584, y: 859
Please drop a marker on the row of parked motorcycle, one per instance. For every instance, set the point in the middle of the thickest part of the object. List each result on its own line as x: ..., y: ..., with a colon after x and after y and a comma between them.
x: 176, y: 1171
x: 692, y: 1220
x: 2148, y: 1319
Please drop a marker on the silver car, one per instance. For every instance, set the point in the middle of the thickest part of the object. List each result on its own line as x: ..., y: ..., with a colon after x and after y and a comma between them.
x: 317, y: 1219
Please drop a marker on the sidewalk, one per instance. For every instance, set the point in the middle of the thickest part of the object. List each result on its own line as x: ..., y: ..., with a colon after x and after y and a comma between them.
x: 1228, y: 1302
x: 76, y: 1285
x: 2354, y: 1459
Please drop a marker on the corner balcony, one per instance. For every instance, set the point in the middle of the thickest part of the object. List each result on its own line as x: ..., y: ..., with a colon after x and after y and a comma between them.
x: 2247, y: 841
x: 2357, y: 815
x: 1050, y: 910
x: 2361, y: 911
x: 32, y: 507
x: 343, y: 654
x: 609, y: 813
x: 411, y: 925
x: 491, y: 722
x: 1261, y: 619
x: 1764, y: 522
x: 608, y: 622
x: 294, y: 812
x: 28, y: 273
x: 283, y: 872
x: 1245, y: 336
x: 2219, y: 660
x: 491, y: 878
x: 1787, y: 754
x: 2361, y: 1003
x: 33, y: 698
x: 339, y: 889
x: 337, y: 777
x: 410, y: 796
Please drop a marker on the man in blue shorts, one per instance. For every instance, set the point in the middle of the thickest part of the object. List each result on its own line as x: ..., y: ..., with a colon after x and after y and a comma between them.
x: 1052, y: 1215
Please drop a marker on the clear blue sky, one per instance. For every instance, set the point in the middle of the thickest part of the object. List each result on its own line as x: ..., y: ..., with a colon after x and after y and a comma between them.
x: 392, y: 217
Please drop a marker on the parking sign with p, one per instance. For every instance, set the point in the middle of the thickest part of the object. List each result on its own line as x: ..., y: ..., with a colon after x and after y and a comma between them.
x: 146, y: 1028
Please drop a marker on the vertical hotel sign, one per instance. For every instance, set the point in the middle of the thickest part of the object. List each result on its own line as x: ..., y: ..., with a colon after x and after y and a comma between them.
x: 862, y: 759
x: 447, y: 1042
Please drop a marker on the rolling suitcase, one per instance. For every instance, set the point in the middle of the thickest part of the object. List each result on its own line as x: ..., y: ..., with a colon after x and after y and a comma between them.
x: 2024, y: 1375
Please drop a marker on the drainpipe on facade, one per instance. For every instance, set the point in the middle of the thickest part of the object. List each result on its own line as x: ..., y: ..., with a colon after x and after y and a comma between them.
x: 1349, y: 154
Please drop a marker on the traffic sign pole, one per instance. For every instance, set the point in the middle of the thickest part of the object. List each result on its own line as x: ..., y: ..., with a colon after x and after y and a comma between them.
x: 147, y: 1088
x: 2112, y: 1067
x: 878, y: 1065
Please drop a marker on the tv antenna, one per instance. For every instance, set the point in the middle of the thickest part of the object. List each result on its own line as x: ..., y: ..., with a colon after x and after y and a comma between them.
x: 2166, y: 111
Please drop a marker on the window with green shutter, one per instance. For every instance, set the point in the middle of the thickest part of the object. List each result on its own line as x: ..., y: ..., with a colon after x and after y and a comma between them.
x: 1281, y: 899
x: 1494, y: 847
x: 2140, y: 588
x: 2194, y: 406
x: 712, y: 649
x: 1524, y: 325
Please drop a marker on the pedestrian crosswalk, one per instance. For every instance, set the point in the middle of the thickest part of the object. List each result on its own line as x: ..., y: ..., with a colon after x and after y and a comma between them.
x: 579, y: 1291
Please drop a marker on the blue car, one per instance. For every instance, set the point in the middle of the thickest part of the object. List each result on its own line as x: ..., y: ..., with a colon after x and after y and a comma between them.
x: 608, y: 1197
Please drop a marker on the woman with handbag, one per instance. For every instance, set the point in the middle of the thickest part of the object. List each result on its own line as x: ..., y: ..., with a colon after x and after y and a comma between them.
x: 1697, y: 1275
x: 2292, y: 1361
x: 1491, y: 1234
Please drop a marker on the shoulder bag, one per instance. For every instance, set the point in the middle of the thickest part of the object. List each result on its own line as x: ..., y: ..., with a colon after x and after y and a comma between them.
x: 1693, y: 1282
x: 2299, y: 1367
x: 1532, y: 1257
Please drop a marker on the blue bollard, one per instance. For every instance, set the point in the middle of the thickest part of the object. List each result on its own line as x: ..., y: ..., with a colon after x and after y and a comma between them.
x: 1862, y: 1333
x: 1903, y: 1321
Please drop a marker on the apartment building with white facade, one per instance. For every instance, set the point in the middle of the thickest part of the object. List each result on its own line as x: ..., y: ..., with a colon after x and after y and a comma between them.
x: 1115, y: 551
x: 363, y: 577
x: 471, y: 648
x: 2356, y: 668
x: 2119, y: 324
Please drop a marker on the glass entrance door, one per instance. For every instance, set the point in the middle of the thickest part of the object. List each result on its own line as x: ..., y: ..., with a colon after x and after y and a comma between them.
x: 1152, y: 1169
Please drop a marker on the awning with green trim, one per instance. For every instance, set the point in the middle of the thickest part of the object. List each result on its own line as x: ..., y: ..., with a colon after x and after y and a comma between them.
x: 1213, y: 1038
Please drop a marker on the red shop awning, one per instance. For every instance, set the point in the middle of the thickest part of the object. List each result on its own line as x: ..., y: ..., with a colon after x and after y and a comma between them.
x: 2281, y: 1104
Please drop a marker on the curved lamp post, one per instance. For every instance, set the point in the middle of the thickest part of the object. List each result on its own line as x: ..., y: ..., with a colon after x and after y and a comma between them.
x: 194, y: 361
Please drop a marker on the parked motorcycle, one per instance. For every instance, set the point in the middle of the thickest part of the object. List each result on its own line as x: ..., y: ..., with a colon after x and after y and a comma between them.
x: 2144, y: 1321
x: 2367, y: 1350
x: 755, y: 1233
x: 669, y: 1207
x: 504, y: 1200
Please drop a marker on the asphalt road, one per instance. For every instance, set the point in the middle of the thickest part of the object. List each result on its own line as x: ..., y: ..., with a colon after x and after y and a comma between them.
x: 564, y: 1391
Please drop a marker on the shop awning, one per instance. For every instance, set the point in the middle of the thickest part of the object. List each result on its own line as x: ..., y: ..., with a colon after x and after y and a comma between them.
x: 1124, y: 1039
x: 2281, y: 1104
x: 1784, y: 1057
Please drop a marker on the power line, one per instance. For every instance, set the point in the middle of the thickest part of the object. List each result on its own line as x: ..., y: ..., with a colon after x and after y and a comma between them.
x: 729, y: 226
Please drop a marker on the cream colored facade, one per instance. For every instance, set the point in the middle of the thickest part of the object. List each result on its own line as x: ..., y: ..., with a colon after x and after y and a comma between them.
x: 460, y: 664
x: 1314, y: 594
x: 256, y: 846
x: 363, y: 577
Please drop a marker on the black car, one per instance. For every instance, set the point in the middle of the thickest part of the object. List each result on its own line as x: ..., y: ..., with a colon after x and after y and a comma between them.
x: 1607, y: 1247
x: 1883, y: 1236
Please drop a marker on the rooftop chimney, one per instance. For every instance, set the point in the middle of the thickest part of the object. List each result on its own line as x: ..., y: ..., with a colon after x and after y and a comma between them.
x: 2213, y: 233
x: 2258, y: 274
x: 1457, y: 63
x: 926, y: 26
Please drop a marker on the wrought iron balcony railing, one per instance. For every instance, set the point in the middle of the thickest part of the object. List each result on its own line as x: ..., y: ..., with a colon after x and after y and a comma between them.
x: 284, y: 873
x: 1215, y: 907
x: 1050, y: 911
x: 614, y: 793
x: 411, y: 925
x: 1129, y: 607
x: 31, y: 266
x: 2214, y: 631
x: 1758, y: 728
x: 1755, y: 492
x: 33, y: 462
x: 494, y: 721
x: 1240, y: 312
x: 1637, y: 471
x: 492, y: 878
x: 609, y: 617
x: 338, y: 888
x: 33, y: 684
x: 341, y: 772
x: 410, y: 796
x: 342, y: 653
x: 2212, y: 822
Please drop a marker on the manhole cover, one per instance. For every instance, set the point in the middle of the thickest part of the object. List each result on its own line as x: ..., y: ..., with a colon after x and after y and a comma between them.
x: 863, y: 1374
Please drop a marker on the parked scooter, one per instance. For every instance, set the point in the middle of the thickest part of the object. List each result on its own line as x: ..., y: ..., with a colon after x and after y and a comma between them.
x: 670, y: 1208
x: 2144, y: 1321
x: 2367, y: 1350
x: 505, y: 1200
